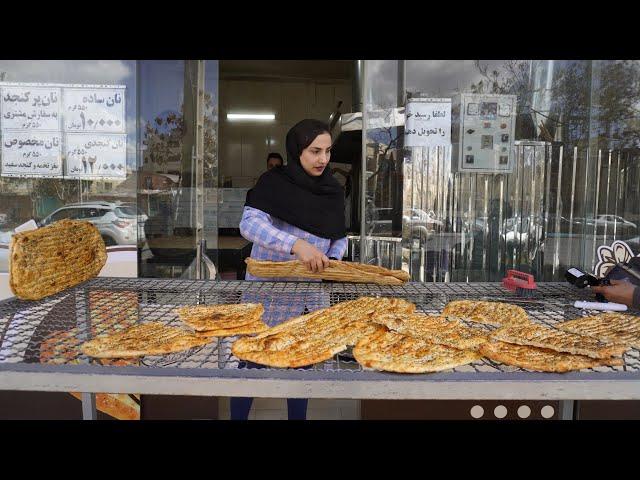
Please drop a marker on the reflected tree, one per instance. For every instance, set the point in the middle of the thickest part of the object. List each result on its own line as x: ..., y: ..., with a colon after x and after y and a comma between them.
x: 163, y: 138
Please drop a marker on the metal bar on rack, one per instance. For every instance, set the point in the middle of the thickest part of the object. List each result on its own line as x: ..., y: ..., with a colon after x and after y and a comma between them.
x: 89, y: 406
x: 192, y: 372
x: 566, y: 409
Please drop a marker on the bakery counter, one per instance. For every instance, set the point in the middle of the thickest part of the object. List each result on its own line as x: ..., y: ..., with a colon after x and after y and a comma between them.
x: 40, y: 340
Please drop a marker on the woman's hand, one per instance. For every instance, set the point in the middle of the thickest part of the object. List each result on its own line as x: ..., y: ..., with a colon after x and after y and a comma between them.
x: 315, y: 260
x: 619, y: 292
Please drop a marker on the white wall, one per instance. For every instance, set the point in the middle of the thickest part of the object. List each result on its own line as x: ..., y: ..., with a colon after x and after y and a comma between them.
x: 243, y: 146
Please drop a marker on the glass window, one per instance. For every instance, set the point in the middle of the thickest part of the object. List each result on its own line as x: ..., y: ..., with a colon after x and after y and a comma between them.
x: 64, y: 213
x: 74, y: 122
x: 541, y: 168
x: 126, y: 211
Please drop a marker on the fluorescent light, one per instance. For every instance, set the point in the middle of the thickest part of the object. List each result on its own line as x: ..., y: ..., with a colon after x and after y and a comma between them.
x: 251, y: 116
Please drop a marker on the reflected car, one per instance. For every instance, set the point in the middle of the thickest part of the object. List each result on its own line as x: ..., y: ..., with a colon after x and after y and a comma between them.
x: 613, y: 220
x: 517, y: 230
x: 419, y: 217
x: 5, y: 239
x: 117, y: 222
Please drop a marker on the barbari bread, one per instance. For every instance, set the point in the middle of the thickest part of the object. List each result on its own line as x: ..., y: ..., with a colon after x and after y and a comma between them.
x: 541, y: 359
x: 337, y: 271
x: 151, y: 338
x: 490, y: 313
x: 446, y: 331
x: 122, y: 406
x: 558, y: 340
x: 53, y: 258
x: 249, y: 329
x: 203, y: 318
x: 316, y: 337
x: 609, y: 327
x: 394, y: 352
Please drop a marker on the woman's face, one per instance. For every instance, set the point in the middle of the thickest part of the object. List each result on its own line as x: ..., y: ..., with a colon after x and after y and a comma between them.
x: 315, y: 158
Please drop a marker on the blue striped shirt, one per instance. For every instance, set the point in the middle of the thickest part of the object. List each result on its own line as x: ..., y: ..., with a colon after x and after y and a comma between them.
x: 273, y: 240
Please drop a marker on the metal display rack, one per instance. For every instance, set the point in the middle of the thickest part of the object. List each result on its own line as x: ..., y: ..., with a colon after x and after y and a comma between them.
x: 39, y: 345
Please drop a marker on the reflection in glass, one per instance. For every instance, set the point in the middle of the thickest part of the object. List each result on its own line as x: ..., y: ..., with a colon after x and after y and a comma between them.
x: 573, y: 184
x: 97, y: 200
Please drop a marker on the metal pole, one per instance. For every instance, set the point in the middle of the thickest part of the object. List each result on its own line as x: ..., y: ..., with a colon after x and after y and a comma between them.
x: 402, y: 80
x: 89, y: 406
x: 363, y: 192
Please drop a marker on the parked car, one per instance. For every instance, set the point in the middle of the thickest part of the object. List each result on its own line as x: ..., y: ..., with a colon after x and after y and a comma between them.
x: 117, y: 222
x: 419, y: 217
x: 5, y: 239
x: 611, y: 221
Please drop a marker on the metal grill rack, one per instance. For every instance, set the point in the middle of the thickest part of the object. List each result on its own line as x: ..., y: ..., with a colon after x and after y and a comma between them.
x: 39, y: 343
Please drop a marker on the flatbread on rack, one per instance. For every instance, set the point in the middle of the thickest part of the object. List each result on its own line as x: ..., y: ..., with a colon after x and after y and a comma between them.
x: 206, y: 318
x: 151, y: 338
x: 490, y: 313
x: 248, y: 329
x: 448, y: 331
x: 316, y: 337
x: 541, y: 359
x: 558, y: 340
x: 395, y: 352
x: 609, y: 327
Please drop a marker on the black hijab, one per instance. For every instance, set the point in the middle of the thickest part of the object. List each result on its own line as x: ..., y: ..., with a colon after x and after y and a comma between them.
x: 314, y: 204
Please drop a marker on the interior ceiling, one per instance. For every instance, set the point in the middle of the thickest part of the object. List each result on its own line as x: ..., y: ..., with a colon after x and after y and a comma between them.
x: 312, y: 69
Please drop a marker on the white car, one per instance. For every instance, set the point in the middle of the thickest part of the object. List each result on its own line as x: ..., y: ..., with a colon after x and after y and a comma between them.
x: 5, y: 238
x: 117, y: 222
x: 419, y: 217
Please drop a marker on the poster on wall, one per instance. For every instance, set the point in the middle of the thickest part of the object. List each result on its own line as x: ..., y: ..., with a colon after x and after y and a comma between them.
x: 427, y: 122
x: 30, y: 108
x: 31, y: 153
x: 94, y: 110
x: 96, y: 156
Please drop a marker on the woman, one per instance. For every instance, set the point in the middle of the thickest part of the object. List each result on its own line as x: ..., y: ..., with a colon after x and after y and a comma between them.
x: 295, y: 211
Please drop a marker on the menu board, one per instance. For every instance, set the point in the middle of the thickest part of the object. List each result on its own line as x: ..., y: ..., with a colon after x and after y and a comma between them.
x: 96, y: 156
x: 25, y: 108
x: 54, y: 130
x: 94, y: 110
x: 31, y: 153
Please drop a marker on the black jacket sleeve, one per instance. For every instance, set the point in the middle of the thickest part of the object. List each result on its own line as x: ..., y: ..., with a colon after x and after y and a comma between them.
x: 636, y: 298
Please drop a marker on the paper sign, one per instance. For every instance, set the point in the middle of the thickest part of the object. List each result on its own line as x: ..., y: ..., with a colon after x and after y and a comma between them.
x: 37, y: 154
x: 94, y: 110
x: 96, y: 156
x: 30, y: 108
x: 428, y: 122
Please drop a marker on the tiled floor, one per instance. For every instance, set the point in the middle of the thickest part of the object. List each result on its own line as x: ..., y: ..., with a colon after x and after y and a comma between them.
x: 318, y: 409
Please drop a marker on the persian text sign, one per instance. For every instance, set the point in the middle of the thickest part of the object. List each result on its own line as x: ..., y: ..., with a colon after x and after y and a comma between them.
x: 428, y: 122
x: 37, y: 154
